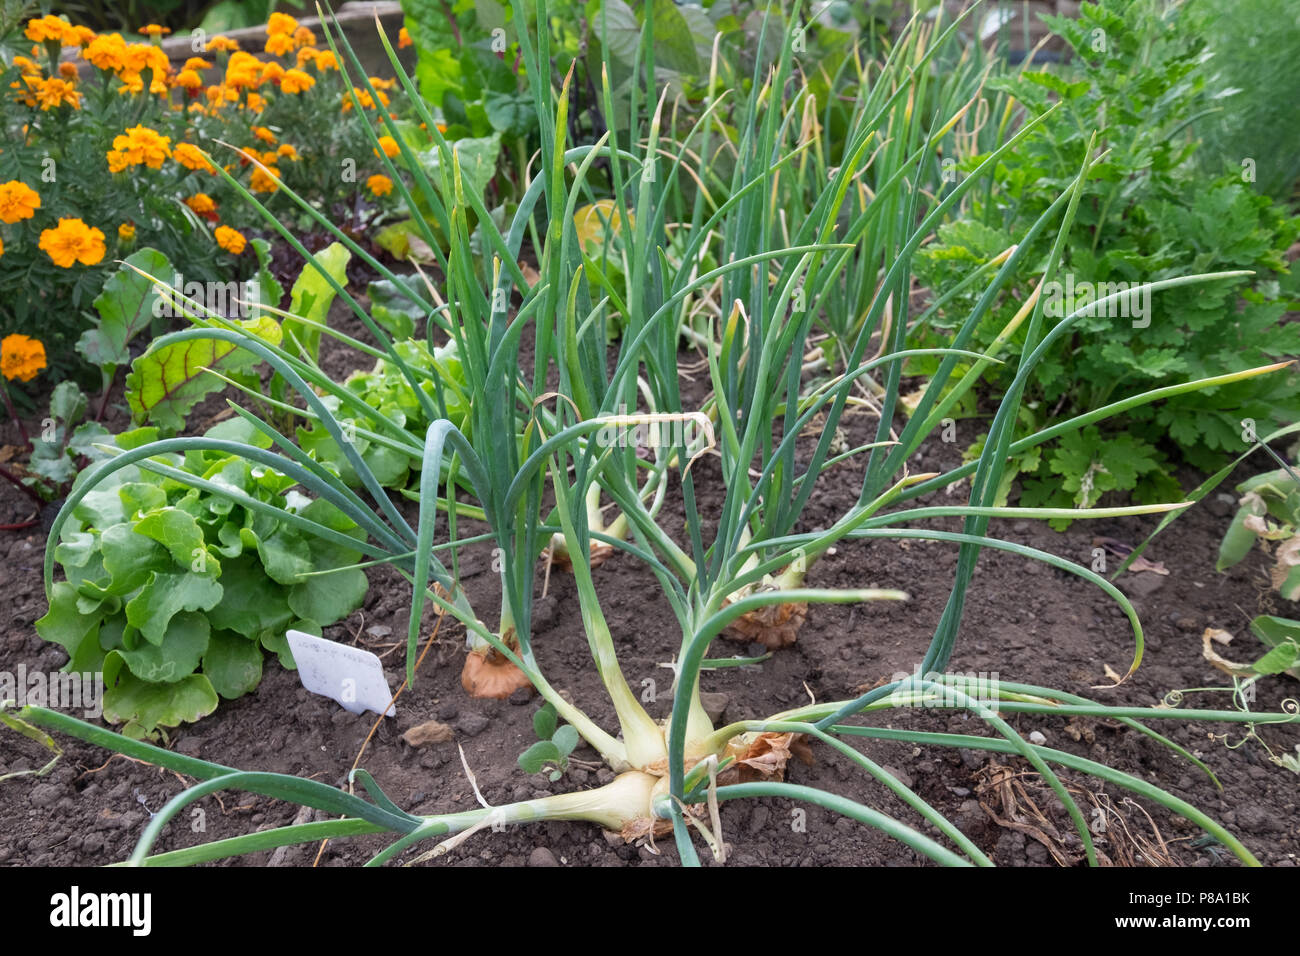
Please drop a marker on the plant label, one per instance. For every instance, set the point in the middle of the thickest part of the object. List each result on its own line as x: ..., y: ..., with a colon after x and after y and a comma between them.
x: 348, y: 675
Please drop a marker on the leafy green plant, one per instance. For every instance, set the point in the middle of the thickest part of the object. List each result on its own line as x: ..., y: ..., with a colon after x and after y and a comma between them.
x: 1269, y: 514
x: 64, y: 444
x: 532, y: 434
x: 1139, y: 75
x: 180, y: 570
x: 1255, y: 46
x: 554, y: 744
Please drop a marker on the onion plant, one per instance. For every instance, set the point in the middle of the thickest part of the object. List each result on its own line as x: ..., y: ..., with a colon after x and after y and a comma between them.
x: 536, y: 456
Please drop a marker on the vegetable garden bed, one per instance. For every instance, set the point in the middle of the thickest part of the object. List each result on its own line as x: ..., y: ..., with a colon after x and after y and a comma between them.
x: 1058, y: 630
x: 682, y: 456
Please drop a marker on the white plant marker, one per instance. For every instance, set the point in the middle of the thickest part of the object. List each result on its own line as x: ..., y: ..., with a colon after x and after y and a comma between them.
x: 352, y: 677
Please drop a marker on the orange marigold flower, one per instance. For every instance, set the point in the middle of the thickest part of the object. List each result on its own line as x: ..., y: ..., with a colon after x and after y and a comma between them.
x: 306, y: 55
x: 17, y: 201
x: 243, y: 70
x: 191, y: 157
x: 272, y: 72
x: 54, y: 93
x: 295, y: 81
x: 68, y: 70
x: 256, y: 102
x: 278, y: 44
x: 264, y: 180
x: 140, y: 146
x: 2, y: 247
x: 189, y: 79
x: 201, y: 203
x: 83, y: 35
x: 126, y: 231
x: 73, y: 241
x: 379, y: 185
x: 304, y: 37
x: 264, y: 134
x: 105, y: 51
x: 131, y: 83
x: 230, y: 239
x: 287, y: 151
x: 43, y: 29
x: 138, y: 57
x: 220, y: 44
x: 197, y: 63
x: 389, y: 146
x: 403, y: 38
x: 280, y: 23
x: 154, y: 30
x: 325, y: 61
x: 21, y: 356
x: 28, y: 66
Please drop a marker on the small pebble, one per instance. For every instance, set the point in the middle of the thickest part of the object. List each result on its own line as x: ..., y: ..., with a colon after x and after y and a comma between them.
x: 428, y: 733
x: 471, y: 724
x: 542, y: 857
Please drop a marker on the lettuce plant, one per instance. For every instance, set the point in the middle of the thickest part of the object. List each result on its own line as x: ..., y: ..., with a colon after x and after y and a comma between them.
x: 178, y: 575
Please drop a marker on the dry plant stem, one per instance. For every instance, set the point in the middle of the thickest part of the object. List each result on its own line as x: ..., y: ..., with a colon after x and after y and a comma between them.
x: 13, y: 414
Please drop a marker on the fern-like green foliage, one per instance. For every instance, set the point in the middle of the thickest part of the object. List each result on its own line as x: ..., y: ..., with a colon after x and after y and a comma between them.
x: 1139, y: 72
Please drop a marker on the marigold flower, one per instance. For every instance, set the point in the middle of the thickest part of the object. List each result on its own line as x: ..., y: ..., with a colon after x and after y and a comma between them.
x: 287, y: 151
x: 68, y: 70
x: 197, y: 63
x: 47, y: 28
x: 140, y: 146
x: 126, y: 231
x: 264, y: 134
x: 280, y: 23
x: 105, y: 51
x: 190, y: 156
x: 264, y: 180
x: 295, y: 81
x: 363, y: 96
x: 271, y: 72
x: 243, y: 70
x: 138, y: 57
x: 278, y: 44
x: 256, y: 102
x: 389, y: 146
x: 73, y: 241
x: 303, y: 36
x: 21, y: 357
x: 379, y: 185
x: 202, y: 204
x: 28, y: 66
x: 2, y: 247
x: 230, y: 239
x: 189, y: 79
x: 221, y: 44
x: 53, y: 93
x: 403, y: 39
x: 154, y: 30
x: 306, y: 55
x: 17, y: 201
x: 325, y: 61
x: 82, y: 36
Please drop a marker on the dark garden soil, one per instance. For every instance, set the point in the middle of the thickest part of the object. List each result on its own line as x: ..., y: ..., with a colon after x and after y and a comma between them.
x: 1024, y: 622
